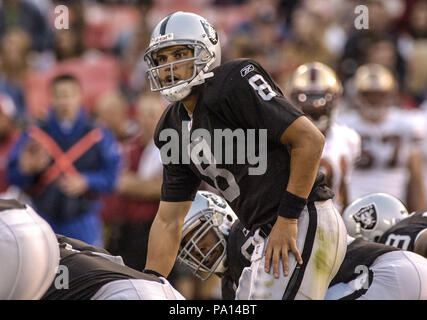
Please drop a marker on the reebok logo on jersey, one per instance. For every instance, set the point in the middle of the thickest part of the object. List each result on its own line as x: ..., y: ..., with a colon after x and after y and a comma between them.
x: 246, y: 70
x: 366, y: 217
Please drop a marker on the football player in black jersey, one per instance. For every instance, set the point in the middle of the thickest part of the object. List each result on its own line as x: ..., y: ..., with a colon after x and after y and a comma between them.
x: 382, y: 218
x: 235, y: 111
x: 88, y: 272
x: 370, y: 271
x: 37, y: 264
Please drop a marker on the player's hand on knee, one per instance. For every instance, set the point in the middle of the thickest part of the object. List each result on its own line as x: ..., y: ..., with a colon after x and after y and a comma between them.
x: 281, y: 240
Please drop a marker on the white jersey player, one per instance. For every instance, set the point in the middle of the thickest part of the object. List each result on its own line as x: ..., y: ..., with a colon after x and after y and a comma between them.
x: 316, y: 90
x: 340, y: 153
x: 391, y: 160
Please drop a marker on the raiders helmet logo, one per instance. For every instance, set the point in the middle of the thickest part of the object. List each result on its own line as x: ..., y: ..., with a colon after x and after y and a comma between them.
x: 210, y: 31
x: 367, y: 217
x: 215, y: 199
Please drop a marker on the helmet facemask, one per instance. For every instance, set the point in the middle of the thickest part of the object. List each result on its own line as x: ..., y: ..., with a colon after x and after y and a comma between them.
x: 375, y: 87
x: 318, y: 106
x: 178, y: 89
x: 203, y: 247
x: 373, y: 105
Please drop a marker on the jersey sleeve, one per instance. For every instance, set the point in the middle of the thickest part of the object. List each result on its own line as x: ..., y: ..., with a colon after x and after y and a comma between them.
x: 179, y: 183
x: 255, y: 101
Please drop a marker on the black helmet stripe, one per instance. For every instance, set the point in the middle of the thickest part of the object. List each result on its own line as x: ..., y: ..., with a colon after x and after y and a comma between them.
x: 164, y: 23
x: 10, y: 205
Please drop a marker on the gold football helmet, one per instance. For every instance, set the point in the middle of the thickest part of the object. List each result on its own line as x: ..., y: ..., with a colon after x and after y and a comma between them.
x: 315, y: 89
x: 375, y: 86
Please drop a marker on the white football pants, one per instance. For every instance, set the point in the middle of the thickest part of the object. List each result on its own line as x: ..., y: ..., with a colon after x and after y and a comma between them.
x: 137, y: 289
x: 396, y: 275
x: 322, y: 244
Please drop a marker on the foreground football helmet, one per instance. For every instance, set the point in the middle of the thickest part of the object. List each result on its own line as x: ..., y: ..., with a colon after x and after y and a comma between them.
x: 185, y: 29
x: 29, y: 252
x: 315, y: 89
x: 209, y: 216
x: 371, y: 215
x: 374, y: 86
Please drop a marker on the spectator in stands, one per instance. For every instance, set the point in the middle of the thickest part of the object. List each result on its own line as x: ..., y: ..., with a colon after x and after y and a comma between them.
x: 417, y: 22
x: 14, y: 54
x: 130, y: 48
x: 23, y: 14
x: 138, y: 193
x: 416, y: 81
x: 68, y: 44
x: 380, y: 24
x: 305, y: 44
x: 111, y: 110
x: 65, y: 162
x: 262, y: 32
x: 8, y: 135
x: 382, y: 49
x: 414, y: 28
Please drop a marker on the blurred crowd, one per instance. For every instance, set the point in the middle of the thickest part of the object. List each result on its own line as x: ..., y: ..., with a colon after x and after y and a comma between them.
x: 72, y: 82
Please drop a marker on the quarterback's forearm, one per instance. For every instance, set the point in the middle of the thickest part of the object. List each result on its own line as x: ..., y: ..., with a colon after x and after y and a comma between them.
x: 163, y: 247
x: 165, y: 236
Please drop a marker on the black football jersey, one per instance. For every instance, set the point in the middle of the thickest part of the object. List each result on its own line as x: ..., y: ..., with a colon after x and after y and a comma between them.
x: 239, y: 251
x: 89, y: 268
x: 233, y: 137
x: 404, y: 233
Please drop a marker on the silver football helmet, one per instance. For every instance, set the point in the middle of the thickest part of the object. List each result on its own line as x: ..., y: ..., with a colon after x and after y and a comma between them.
x: 371, y: 215
x: 187, y: 29
x: 206, y: 226
x: 29, y: 252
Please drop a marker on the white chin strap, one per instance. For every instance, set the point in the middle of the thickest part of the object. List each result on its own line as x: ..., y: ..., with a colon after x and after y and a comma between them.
x: 177, y: 92
x: 183, y: 88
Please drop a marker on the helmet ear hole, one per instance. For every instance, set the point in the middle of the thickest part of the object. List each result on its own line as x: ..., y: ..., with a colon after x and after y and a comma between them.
x: 376, y: 238
x: 229, y: 217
